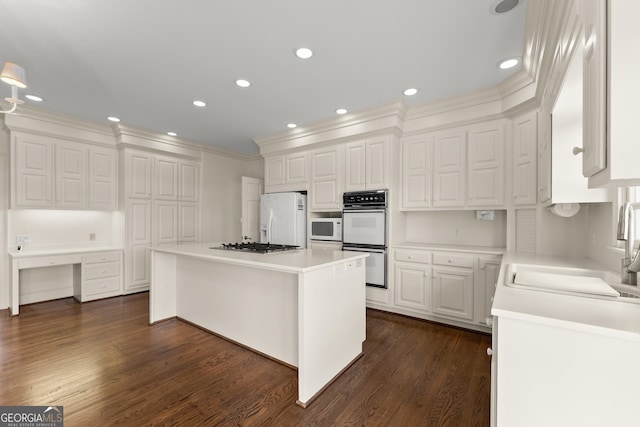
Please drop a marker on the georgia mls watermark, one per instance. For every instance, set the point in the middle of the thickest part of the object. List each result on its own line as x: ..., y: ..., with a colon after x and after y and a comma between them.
x: 31, y: 416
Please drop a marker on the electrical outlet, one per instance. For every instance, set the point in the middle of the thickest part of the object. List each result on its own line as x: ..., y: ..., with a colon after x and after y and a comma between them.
x: 92, y: 236
x: 23, y: 239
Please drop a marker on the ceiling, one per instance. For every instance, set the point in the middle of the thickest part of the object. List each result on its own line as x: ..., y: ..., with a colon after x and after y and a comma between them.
x: 146, y: 61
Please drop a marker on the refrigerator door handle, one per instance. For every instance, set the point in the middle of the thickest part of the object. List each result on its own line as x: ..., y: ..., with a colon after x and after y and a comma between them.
x: 269, y: 225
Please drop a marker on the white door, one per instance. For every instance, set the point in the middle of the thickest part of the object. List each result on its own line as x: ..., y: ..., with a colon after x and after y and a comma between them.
x: 251, y: 191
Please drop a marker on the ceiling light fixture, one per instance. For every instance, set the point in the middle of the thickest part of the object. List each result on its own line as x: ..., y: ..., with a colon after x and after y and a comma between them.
x: 199, y: 103
x: 291, y: 125
x: 341, y: 111
x: 15, y: 76
x: 304, y: 53
x: 113, y: 119
x: 503, y: 6
x: 33, y: 98
x: 243, y: 83
x: 172, y: 134
x: 411, y: 91
x: 507, y: 63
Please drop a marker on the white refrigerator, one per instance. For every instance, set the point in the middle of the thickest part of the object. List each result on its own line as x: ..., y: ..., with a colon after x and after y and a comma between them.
x: 283, y: 219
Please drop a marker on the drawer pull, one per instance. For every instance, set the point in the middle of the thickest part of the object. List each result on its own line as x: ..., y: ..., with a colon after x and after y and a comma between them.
x: 410, y: 257
x: 52, y: 262
x: 103, y: 271
x: 104, y: 258
x: 450, y: 261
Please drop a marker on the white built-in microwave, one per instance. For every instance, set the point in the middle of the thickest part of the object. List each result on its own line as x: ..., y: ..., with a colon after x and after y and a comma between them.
x: 326, y: 229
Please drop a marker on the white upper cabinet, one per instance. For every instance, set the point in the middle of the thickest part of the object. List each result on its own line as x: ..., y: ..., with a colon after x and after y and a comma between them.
x: 138, y: 167
x: 326, y: 188
x: 71, y: 176
x: 103, y: 179
x: 367, y: 165
x: 33, y: 172
x: 449, y: 169
x: 287, y: 172
x: 189, y: 181
x: 485, y: 148
x: 188, y: 222
x: 611, y: 92
x: 417, y: 153
x: 58, y: 174
x: 524, y: 189
x: 166, y: 178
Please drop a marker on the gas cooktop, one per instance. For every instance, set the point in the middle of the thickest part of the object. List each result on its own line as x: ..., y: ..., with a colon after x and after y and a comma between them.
x: 261, y: 248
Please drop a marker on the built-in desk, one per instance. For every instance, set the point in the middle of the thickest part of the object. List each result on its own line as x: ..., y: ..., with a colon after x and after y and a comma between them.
x: 97, y: 271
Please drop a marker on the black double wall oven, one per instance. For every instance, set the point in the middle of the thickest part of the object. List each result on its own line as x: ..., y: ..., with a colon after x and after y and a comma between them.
x: 364, y: 229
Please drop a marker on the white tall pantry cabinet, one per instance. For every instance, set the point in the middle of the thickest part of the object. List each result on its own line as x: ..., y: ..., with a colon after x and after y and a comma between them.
x: 161, y: 196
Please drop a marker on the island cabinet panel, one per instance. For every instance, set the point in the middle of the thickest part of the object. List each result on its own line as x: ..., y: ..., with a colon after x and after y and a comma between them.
x: 449, y: 168
x: 485, y: 150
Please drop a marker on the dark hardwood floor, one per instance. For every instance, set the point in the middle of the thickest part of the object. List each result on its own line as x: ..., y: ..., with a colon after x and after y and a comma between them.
x: 106, y: 366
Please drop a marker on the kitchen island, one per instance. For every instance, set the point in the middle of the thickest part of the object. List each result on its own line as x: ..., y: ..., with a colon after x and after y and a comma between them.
x: 305, y: 308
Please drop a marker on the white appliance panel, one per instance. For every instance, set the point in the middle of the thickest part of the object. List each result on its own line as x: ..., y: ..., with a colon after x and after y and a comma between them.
x: 364, y: 227
x: 375, y: 265
x: 283, y: 219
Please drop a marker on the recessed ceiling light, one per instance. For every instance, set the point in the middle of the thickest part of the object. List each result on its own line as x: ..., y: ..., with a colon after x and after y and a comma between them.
x: 33, y: 98
x: 508, y: 63
x: 291, y: 125
x: 113, y: 119
x: 172, y: 134
x: 304, y: 53
x: 199, y: 103
x: 410, y: 91
x: 341, y: 111
x: 503, y: 6
x: 243, y: 83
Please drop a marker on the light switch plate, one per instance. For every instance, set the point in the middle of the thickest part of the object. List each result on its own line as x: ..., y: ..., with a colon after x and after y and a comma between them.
x: 23, y: 239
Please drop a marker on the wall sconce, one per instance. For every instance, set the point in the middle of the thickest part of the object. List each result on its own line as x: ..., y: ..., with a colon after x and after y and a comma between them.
x: 15, y: 76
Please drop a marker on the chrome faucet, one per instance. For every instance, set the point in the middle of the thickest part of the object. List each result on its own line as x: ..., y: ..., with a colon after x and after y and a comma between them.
x: 630, y: 265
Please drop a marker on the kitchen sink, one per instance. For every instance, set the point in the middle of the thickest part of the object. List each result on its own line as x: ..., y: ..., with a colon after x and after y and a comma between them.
x: 599, y: 284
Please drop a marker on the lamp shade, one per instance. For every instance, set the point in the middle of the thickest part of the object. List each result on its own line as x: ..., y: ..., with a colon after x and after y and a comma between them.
x: 14, y: 75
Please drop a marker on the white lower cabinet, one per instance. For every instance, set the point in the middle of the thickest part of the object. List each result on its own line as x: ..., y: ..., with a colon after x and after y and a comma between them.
x: 453, y: 292
x: 101, y: 276
x: 452, y: 287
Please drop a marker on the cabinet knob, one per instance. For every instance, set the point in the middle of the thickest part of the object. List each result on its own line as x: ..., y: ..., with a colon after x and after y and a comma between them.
x: 449, y: 261
x: 410, y: 256
x: 52, y: 262
x: 489, y: 351
x: 577, y: 150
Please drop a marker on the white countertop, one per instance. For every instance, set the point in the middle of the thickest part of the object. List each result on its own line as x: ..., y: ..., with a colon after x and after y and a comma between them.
x: 293, y: 261
x: 612, y: 317
x: 453, y: 248
x: 27, y: 251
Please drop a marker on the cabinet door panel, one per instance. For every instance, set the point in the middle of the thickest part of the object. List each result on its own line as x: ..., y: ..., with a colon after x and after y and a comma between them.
x: 449, y: 169
x: 189, y: 181
x: 140, y: 267
x: 453, y: 292
x: 71, y: 176
x: 102, y: 179
x: 33, y: 173
x: 486, y: 165
x: 188, y: 222
x: 355, y: 166
x: 166, y: 182
x: 139, y: 222
x: 413, y: 287
x: 376, y: 165
x: 274, y: 170
x: 139, y: 175
x: 524, y: 160
x: 166, y: 222
x: 296, y: 168
x: 416, y: 172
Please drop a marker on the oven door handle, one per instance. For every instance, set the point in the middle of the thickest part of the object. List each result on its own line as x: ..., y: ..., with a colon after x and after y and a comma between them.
x: 363, y: 210
x: 352, y: 249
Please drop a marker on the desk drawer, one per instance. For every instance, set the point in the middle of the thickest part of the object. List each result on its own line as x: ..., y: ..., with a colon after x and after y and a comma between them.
x: 49, y: 261
x: 101, y: 257
x: 453, y: 259
x: 102, y: 286
x: 413, y: 255
x: 96, y: 271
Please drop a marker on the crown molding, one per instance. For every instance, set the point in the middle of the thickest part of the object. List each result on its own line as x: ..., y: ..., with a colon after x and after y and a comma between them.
x: 386, y: 118
x: 39, y: 121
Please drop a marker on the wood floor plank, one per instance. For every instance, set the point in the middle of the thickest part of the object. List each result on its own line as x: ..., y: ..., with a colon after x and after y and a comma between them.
x: 107, y: 366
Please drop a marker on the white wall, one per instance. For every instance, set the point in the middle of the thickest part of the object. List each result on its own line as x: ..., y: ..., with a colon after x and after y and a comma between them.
x: 60, y: 228
x: 4, y: 204
x: 439, y: 227
x: 221, y: 203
